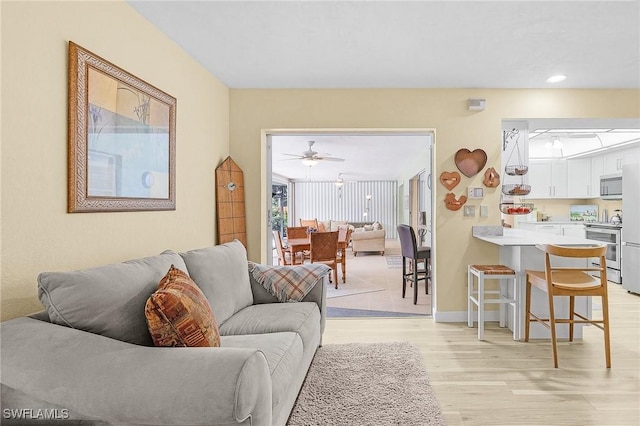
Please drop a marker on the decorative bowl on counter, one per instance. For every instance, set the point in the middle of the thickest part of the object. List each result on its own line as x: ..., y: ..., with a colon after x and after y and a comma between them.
x: 516, y: 170
x: 516, y: 189
x: 516, y: 208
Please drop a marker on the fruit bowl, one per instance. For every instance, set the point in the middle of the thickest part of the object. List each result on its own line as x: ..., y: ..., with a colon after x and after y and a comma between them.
x: 516, y: 189
x: 516, y: 170
x: 516, y: 208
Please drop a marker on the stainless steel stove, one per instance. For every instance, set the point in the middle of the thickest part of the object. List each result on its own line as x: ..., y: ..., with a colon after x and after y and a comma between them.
x: 609, y: 233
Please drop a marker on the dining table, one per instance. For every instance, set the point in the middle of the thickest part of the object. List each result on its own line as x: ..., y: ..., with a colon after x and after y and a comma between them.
x: 297, y: 245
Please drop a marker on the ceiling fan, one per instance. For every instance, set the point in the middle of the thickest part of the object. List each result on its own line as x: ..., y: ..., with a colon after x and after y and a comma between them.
x: 310, y: 157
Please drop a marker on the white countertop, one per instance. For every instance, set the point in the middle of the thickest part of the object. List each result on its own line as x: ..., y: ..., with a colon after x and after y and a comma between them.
x: 556, y: 222
x: 521, y: 237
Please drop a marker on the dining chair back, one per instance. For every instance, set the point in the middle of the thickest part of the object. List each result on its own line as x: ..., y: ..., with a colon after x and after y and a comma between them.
x: 309, y: 223
x: 297, y: 232
x: 416, y: 256
x: 324, y: 249
x: 570, y: 281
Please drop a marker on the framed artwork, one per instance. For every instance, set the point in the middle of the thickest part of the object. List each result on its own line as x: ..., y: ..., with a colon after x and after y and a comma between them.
x: 122, y: 139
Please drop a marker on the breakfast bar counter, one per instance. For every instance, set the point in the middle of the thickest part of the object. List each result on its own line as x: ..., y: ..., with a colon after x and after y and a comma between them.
x: 518, y: 251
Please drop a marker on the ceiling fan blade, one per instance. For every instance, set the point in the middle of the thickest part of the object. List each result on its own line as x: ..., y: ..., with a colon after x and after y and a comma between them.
x: 329, y: 159
x: 294, y: 155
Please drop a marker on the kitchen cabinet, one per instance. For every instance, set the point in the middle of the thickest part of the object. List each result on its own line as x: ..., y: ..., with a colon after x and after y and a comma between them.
x: 572, y: 230
x: 555, y: 228
x: 579, y: 181
x: 597, y: 170
x: 548, y: 178
x: 612, y: 162
x: 550, y: 228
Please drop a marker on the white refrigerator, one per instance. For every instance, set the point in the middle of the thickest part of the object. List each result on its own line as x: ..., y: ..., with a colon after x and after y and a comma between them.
x: 631, y: 226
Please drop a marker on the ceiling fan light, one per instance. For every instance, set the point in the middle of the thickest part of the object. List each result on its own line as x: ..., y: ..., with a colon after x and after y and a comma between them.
x: 309, y: 162
x: 339, y: 183
x: 557, y: 144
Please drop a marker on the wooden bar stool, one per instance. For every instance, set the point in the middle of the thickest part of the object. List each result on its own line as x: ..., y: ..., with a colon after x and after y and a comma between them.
x: 491, y: 272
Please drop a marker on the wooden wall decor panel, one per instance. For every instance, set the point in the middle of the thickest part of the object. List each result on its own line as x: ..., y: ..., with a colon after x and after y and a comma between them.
x: 230, y: 207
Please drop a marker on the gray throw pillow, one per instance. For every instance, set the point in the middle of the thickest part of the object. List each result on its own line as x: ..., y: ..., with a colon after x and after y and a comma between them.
x: 222, y: 274
x: 108, y: 300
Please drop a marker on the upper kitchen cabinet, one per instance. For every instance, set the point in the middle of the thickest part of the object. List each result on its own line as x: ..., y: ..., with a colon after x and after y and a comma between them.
x: 548, y: 179
x: 612, y: 162
x: 580, y: 183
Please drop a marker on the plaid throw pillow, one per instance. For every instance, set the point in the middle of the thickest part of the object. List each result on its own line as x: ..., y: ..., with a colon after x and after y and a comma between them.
x: 178, y: 314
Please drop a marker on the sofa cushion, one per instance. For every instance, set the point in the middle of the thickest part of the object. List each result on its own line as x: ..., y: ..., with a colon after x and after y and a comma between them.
x: 108, y: 300
x: 337, y: 224
x: 300, y: 317
x: 221, y: 273
x: 178, y: 314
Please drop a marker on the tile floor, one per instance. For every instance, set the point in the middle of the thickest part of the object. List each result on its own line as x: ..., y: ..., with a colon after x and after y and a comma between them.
x: 370, y: 271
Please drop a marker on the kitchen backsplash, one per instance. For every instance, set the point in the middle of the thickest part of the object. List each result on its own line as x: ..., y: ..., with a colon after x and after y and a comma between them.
x: 560, y: 209
x: 583, y: 213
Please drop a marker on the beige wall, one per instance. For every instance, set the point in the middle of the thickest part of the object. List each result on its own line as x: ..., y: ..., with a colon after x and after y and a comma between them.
x: 456, y: 127
x: 37, y: 233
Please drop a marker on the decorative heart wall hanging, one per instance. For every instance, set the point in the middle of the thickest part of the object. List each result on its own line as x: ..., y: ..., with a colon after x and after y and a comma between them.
x: 491, y: 178
x: 450, y: 179
x: 470, y: 162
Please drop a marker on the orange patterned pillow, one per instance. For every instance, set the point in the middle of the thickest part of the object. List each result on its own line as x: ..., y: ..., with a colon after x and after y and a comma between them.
x: 178, y: 313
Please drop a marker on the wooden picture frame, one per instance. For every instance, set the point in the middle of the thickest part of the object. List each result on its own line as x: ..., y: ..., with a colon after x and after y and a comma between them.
x: 122, y: 139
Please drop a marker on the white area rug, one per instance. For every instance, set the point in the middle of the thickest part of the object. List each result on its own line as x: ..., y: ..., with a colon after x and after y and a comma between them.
x: 367, y: 384
x: 394, y: 262
x: 344, y: 290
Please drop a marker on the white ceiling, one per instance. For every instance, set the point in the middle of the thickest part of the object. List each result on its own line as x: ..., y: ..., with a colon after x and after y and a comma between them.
x: 410, y: 44
x: 367, y: 156
x: 401, y: 44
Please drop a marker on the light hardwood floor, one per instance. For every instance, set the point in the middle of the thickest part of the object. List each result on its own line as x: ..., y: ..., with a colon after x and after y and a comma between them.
x: 503, y: 382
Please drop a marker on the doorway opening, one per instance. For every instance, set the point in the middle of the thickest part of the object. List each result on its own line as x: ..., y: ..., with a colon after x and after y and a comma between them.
x: 362, y: 177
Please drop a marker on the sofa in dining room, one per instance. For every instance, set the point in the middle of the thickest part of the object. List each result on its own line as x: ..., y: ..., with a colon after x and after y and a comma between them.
x: 368, y: 238
x: 365, y: 236
x: 90, y: 355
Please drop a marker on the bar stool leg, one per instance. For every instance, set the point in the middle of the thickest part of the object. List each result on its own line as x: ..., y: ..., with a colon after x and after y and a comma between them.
x: 469, y: 295
x: 502, y: 306
x: 481, y: 306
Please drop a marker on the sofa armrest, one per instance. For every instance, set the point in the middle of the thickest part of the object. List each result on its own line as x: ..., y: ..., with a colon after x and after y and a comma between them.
x: 98, y: 377
x: 318, y: 294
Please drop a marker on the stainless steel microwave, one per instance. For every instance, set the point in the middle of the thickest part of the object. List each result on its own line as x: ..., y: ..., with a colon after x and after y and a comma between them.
x: 611, y: 187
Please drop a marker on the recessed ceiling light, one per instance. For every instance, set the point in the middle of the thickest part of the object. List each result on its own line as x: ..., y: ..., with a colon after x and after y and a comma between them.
x: 556, y: 78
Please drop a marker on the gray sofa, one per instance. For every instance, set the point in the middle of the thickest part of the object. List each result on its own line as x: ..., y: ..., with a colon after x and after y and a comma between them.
x: 89, y: 355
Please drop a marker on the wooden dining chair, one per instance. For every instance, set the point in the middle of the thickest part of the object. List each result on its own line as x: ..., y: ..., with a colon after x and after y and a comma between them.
x: 309, y: 223
x: 344, y: 236
x: 299, y: 232
x: 571, y: 282
x: 416, y: 256
x: 284, y: 257
x: 324, y: 249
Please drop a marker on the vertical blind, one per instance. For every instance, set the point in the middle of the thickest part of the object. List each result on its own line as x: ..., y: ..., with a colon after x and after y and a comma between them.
x: 325, y: 201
